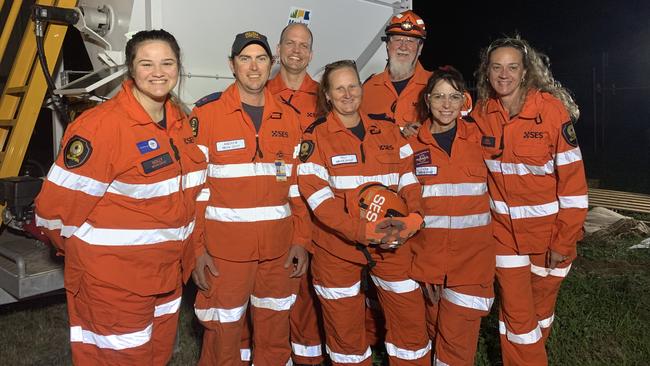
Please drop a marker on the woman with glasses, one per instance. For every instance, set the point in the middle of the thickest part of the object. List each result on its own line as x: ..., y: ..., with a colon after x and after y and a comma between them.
x: 341, y: 154
x: 537, y: 185
x: 454, y: 253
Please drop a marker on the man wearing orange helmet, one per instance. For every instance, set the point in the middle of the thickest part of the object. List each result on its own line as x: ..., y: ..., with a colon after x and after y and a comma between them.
x: 393, y: 94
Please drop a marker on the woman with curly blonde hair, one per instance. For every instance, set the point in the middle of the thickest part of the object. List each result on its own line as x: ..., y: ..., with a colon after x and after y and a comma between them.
x: 537, y: 188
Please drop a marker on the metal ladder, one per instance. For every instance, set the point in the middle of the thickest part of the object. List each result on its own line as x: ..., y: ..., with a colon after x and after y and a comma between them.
x: 25, y: 89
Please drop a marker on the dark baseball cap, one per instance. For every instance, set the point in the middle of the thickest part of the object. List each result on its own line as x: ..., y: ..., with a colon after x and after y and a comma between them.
x: 244, y: 39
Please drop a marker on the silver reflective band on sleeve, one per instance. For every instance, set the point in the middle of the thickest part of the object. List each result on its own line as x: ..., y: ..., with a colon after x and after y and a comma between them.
x: 319, y: 197
x: 398, y: 287
x: 512, y: 261
x: 66, y: 231
x: 439, y: 363
x: 574, y: 201
x: 496, y: 166
x: 144, y: 191
x: 406, y: 179
x: 454, y: 190
x: 313, y: 169
x: 204, y: 195
x: 343, y: 358
x: 525, y: 212
x: 293, y: 191
x: 405, y: 354
x: 546, y: 323
x: 194, y: 179
x: 468, y: 301
x: 167, y: 308
x: 457, y: 222
x: 245, y: 354
x: 306, y: 351
x: 113, y: 341
x: 221, y: 315
x: 129, y: 237
x: 204, y: 149
x: 353, y: 181
x: 245, y: 170
x: 334, y: 293
x: 405, y: 151
x: 555, y: 272
x: 568, y: 157
x: 526, y: 338
x: 271, y: 303
x: 253, y: 214
x: 76, y: 182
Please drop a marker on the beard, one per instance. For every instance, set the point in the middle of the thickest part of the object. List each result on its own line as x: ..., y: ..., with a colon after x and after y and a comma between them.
x: 401, y: 70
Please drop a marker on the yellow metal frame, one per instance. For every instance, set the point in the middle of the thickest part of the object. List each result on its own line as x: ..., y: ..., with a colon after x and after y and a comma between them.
x: 25, y: 90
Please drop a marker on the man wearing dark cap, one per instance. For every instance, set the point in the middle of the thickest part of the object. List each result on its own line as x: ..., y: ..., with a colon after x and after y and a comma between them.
x: 252, y: 225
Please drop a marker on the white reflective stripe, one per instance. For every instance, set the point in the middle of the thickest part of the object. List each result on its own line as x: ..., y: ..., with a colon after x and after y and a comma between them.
x: 353, y: 181
x: 406, y: 179
x: 335, y: 293
x: 66, y: 231
x: 457, y: 222
x: 525, y: 212
x: 76, y: 182
x: 167, y: 308
x: 194, y: 179
x: 294, y: 191
x: 313, y: 169
x: 343, y: 358
x: 467, y: 301
x: 440, y: 363
x: 144, y: 191
x: 113, y: 341
x: 245, y: 170
x: 568, y: 157
x: 546, y: 323
x: 454, y: 190
x: 319, y: 197
x: 204, y: 195
x: 405, y: 151
x: 272, y: 303
x: 405, y: 354
x: 556, y: 272
x: 245, y: 354
x: 574, y: 201
x: 527, y: 338
x: 221, y: 315
x: 306, y: 351
x: 398, y: 287
x: 252, y: 214
x: 512, y: 261
x: 205, y: 150
x: 128, y: 237
x: 496, y: 166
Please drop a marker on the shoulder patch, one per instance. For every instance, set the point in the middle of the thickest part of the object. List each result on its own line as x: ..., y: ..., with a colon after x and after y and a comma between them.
x: 194, y: 124
x: 77, y: 152
x: 314, y: 124
x: 207, y: 99
x: 469, y: 119
x: 367, y: 79
x: 306, y: 149
x: 569, y: 134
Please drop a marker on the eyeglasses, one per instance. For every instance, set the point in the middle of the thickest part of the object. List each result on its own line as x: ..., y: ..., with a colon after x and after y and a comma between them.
x: 404, y: 40
x: 440, y: 98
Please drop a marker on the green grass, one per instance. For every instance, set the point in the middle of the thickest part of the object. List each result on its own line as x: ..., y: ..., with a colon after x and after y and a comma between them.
x: 602, y: 318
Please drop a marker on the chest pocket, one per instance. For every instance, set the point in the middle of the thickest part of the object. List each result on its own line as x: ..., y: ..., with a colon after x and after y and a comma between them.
x: 391, y: 159
x: 536, y: 158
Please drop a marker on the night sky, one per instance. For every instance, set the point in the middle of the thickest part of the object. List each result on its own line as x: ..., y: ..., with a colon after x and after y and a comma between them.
x: 600, y: 50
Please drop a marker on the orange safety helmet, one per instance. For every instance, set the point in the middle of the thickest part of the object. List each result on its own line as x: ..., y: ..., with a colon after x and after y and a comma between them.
x: 374, y: 201
x: 407, y: 23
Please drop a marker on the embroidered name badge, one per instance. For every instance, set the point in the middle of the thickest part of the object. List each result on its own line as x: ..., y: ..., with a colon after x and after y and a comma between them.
x: 148, y: 146
x: 231, y: 145
x: 488, y: 141
x: 426, y: 170
x: 344, y: 159
x: 422, y: 157
x: 156, y: 163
